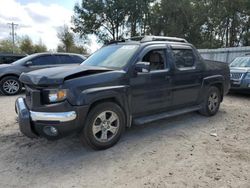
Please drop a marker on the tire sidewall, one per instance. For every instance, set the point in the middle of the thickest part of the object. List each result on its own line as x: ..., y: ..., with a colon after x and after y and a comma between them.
x: 95, y: 111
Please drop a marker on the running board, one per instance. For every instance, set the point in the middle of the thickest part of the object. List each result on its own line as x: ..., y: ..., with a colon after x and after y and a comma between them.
x: 156, y: 117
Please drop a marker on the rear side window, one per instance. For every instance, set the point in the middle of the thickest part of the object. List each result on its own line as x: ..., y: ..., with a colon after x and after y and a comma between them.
x: 184, y: 58
x: 44, y: 60
x: 66, y: 59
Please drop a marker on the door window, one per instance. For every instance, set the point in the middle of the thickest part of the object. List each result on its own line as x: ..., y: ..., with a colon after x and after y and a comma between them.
x: 157, y: 59
x: 184, y: 59
x: 65, y: 59
x: 44, y: 60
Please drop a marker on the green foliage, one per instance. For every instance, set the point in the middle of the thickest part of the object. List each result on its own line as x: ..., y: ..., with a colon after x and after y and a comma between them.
x: 27, y: 46
x: 66, y: 38
x: 205, y: 23
x: 6, y: 46
x: 106, y: 19
x: 24, y: 45
x: 138, y: 13
x: 68, y: 42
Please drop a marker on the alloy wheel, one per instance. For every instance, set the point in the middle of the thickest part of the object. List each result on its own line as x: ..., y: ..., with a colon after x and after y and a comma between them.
x: 105, y: 126
x: 11, y: 86
x: 213, y: 101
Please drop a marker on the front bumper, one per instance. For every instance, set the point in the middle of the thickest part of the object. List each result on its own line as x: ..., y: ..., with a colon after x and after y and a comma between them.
x: 35, y: 124
x: 240, y: 84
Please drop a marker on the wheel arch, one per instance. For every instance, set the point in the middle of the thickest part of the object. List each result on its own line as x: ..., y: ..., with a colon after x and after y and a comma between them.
x: 221, y: 89
x: 117, y: 95
x: 216, y: 81
x: 9, y: 74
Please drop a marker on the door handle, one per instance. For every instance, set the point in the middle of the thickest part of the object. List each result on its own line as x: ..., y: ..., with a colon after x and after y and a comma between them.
x: 167, y: 78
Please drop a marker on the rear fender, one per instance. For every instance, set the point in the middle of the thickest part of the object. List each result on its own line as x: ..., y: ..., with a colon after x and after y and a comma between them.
x: 212, y: 80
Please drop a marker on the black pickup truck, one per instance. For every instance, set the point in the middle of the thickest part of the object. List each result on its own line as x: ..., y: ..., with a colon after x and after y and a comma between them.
x: 125, y: 83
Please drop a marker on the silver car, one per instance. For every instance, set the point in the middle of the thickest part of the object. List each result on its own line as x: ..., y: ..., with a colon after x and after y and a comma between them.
x: 240, y: 74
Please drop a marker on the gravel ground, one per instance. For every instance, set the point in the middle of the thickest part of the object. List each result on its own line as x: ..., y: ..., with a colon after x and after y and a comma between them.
x: 178, y: 152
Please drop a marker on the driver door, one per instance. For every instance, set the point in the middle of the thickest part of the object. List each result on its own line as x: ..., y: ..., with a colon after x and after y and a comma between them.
x: 151, y: 91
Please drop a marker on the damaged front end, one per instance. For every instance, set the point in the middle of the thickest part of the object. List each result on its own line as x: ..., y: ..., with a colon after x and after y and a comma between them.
x: 56, y: 76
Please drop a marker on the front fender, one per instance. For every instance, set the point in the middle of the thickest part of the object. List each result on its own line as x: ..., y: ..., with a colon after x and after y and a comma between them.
x: 119, y: 93
x: 89, y: 96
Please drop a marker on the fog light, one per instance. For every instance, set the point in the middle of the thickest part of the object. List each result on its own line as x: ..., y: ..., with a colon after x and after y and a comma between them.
x: 50, y: 131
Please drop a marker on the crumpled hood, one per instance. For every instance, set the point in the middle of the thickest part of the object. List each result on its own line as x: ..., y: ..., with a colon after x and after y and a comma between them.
x: 57, y: 75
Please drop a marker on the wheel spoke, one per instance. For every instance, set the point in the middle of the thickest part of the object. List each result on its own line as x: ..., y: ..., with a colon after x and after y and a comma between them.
x: 104, y: 135
x: 113, y: 129
x: 102, y: 116
x: 96, y: 129
x: 112, y: 118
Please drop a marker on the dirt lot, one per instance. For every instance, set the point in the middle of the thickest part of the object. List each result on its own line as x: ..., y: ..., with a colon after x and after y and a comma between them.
x: 178, y: 152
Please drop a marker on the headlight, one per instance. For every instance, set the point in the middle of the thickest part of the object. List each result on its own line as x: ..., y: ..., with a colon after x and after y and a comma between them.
x: 247, y: 76
x: 55, y: 95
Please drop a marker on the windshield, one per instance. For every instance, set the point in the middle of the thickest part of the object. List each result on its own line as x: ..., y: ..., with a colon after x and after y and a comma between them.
x: 114, y: 56
x: 241, y: 62
x: 24, y: 60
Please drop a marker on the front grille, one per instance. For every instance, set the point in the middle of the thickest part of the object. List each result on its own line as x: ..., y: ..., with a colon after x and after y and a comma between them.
x: 236, y: 76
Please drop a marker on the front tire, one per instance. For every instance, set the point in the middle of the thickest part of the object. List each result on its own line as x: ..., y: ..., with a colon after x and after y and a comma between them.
x: 10, y: 85
x: 211, y: 102
x: 104, y: 126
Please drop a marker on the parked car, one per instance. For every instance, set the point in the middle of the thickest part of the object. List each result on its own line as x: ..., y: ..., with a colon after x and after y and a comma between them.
x: 6, y: 58
x: 9, y: 73
x: 240, y: 74
x: 124, y: 83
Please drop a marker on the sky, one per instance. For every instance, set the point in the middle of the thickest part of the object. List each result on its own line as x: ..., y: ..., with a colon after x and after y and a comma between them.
x: 39, y: 19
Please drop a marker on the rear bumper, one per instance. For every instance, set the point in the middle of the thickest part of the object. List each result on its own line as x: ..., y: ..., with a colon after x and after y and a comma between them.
x: 35, y: 124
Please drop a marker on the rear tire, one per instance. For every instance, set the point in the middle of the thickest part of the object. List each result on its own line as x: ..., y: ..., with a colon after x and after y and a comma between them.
x: 211, y: 102
x: 104, y: 126
x: 10, y: 85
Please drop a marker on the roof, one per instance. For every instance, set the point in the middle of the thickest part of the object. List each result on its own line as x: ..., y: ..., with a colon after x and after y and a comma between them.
x: 56, y: 53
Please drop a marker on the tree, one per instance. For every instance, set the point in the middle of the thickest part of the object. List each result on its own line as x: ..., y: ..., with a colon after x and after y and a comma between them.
x: 106, y: 19
x: 27, y: 46
x: 6, y: 46
x: 205, y: 23
x: 138, y: 13
x: 66, y: 37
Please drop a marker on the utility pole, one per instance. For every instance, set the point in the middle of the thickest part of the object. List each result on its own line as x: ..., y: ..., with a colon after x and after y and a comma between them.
x: 13, y: 25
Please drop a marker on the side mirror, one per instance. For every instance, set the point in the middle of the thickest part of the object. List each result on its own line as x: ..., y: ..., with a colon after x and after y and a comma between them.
x: 143, y: 67
x: 28, y: 63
